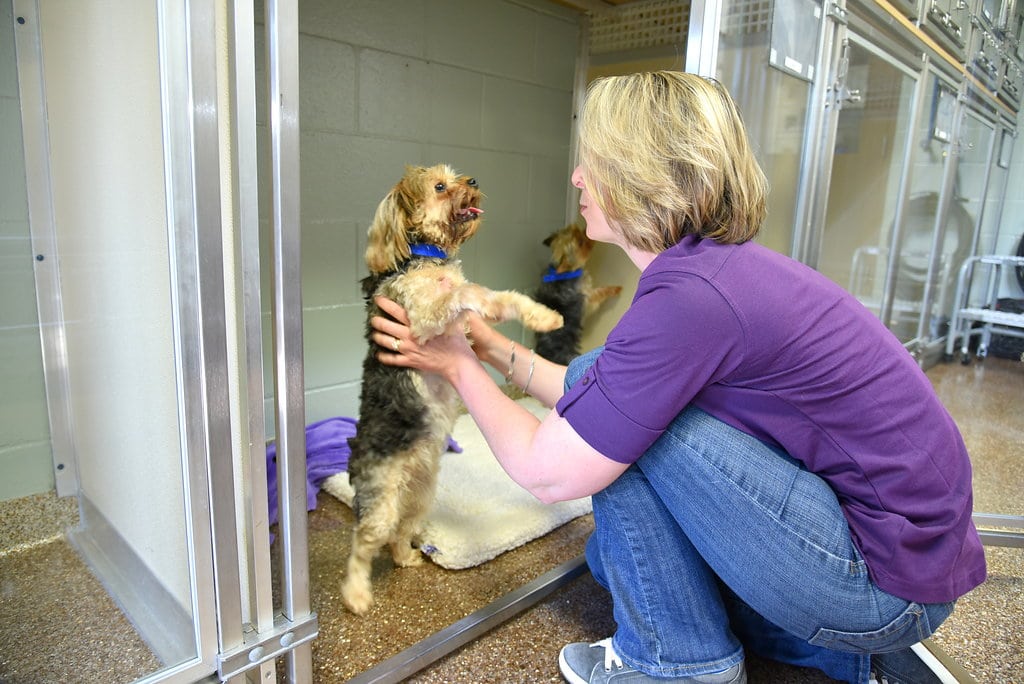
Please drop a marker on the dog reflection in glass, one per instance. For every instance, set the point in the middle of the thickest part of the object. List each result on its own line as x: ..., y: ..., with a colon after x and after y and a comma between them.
x: 566, y: 287
x: 405, y: 416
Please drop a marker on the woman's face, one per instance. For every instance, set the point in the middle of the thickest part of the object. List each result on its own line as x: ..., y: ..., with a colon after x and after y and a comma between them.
x: 597, y: 225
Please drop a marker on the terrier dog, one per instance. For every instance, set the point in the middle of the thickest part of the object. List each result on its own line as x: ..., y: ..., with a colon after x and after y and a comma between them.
x: 405, y: 416
x: 566, y: 288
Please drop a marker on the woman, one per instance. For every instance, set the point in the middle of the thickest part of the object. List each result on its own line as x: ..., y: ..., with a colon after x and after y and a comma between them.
x: 769, y: 467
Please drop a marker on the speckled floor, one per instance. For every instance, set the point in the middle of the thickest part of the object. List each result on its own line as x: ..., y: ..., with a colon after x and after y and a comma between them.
x: 58, y: 626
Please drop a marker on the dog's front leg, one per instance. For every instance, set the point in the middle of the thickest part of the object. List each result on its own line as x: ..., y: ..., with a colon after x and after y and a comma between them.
x: 598, y: 296
x: 495, y: 306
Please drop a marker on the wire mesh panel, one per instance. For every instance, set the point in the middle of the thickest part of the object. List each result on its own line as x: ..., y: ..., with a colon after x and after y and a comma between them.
x: 640, y: 25
x: 746, y: 16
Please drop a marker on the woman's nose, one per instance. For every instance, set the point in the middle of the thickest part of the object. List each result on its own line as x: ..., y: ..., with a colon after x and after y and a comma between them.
x: 577, y: 177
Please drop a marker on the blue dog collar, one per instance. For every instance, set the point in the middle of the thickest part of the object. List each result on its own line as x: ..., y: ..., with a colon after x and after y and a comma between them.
x: 424, y: 250
x: 552, y: 275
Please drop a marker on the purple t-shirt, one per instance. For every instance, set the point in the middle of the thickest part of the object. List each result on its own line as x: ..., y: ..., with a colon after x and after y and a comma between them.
x: 775, y: 349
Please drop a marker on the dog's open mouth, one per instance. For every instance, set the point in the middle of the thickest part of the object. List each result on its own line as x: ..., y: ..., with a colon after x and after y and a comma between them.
x: 466, y: 214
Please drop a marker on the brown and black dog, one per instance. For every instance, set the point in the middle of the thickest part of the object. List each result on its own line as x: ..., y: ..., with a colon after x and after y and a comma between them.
x: 405, y: 416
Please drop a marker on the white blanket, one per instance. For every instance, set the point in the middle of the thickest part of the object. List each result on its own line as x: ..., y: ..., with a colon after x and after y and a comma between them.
x: 479, y: 511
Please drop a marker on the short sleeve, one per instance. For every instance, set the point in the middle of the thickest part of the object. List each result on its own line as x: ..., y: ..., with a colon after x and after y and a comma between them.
x: 678, y: 336
x: 591, y: 409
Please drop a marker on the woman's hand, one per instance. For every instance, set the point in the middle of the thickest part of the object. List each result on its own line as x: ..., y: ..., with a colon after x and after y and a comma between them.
x: 399, y: 348
x: 521, y: 444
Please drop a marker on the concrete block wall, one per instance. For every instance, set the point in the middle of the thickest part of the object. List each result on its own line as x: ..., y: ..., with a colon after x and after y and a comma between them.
x: 26, y: 461
x: 484, y: 85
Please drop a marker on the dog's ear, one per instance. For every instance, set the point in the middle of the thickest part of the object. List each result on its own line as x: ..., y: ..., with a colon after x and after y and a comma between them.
x: 388, y: 243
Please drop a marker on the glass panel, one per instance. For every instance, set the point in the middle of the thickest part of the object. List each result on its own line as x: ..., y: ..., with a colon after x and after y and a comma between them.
x: 989, y: 233
x: 866, y: 171
x: 917, y: 233
x: 795, y: 26
x: 972, y: 173
x: 494, y: 117
x: 100, y: 590
x: 774, y: 108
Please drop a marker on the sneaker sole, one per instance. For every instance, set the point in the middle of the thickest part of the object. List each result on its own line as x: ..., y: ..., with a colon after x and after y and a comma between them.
x: 567, y: 672
x: 944, y: 667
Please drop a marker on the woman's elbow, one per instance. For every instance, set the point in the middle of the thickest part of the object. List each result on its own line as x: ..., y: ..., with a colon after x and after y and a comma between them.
x: 553, y: 494
x: 547, y: 496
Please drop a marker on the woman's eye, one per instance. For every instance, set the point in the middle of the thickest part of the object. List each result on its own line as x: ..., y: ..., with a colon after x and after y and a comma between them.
x: 440, y: 187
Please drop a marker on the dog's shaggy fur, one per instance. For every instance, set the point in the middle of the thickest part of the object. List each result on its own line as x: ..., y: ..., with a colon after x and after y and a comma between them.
x: 566, y: 287
x: 405, y: 416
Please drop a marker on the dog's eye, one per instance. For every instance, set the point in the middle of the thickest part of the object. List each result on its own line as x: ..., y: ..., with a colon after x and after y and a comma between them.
x: 440, y: 187
x: 471, y: 182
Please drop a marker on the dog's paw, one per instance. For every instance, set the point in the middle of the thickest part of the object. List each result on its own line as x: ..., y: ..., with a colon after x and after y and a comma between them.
x: 357, y: 596
x: 405, y: 556
x: 542, y: 319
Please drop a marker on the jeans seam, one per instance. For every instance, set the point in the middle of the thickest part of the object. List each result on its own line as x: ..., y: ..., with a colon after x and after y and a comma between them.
x: 611, y: 501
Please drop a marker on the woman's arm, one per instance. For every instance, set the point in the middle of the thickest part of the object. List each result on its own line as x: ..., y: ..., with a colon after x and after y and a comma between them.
x: 547, y: 458
x: 535, y: 375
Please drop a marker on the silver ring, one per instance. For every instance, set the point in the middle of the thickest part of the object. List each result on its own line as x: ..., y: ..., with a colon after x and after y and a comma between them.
x: 395, y: 344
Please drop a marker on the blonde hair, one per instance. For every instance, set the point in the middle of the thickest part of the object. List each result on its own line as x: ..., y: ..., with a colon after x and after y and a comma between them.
x: 665, y: 155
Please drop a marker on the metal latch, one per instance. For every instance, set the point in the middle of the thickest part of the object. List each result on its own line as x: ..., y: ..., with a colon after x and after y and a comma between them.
x: 839, y: 92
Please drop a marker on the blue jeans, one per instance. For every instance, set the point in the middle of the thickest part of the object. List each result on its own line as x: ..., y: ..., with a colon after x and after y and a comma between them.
x: 714, y: 541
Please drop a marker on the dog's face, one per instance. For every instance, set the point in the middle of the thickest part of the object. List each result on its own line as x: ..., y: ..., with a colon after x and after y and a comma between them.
x: 434, y: 205
x: 570, y: 248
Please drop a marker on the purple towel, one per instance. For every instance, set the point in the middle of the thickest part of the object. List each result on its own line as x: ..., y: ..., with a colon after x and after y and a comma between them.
x: 327, y: 454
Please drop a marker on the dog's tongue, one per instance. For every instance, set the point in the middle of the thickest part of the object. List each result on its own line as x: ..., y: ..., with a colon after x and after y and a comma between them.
x: 467, y: 214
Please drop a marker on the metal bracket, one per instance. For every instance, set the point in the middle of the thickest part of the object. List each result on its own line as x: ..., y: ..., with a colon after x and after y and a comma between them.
x: 259, y: 648
x: 844, y: 94
x: 1004, y: 537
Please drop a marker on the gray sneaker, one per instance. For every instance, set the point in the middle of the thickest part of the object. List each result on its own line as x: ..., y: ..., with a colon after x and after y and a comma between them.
x: 598, y: 663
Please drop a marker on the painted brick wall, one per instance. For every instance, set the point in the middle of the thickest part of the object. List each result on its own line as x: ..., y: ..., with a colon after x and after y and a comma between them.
x: 485, y: 85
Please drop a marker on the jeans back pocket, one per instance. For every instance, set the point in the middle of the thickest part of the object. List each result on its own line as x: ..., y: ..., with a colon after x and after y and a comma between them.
x: 915, y: 623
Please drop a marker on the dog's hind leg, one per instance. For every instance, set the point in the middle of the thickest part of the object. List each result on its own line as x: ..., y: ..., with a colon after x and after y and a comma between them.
x: 356, y: 591
x: 404, y: 545
x: 403, y: 552
x: 419, y: 487
x: 377, y: 520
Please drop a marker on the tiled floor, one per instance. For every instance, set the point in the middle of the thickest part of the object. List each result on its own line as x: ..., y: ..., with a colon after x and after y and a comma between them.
x: 58, y: 626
